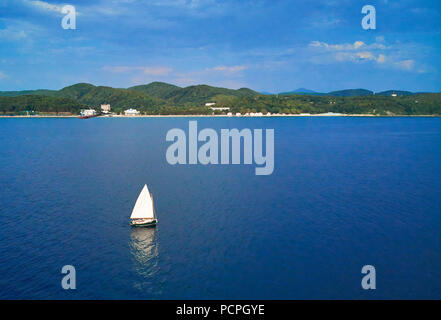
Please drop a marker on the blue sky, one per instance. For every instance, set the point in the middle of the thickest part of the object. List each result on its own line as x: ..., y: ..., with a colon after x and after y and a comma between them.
x: 272, y: 46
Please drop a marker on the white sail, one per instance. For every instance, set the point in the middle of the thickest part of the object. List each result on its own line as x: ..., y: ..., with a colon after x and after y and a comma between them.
x: 144, y: 206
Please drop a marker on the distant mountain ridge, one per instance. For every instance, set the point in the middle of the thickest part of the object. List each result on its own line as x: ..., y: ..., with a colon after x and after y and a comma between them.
x: 43, y: 92
x: 395, y: 92
x: 166, y: 92
x: 301, y: 91
x: 349, y: 93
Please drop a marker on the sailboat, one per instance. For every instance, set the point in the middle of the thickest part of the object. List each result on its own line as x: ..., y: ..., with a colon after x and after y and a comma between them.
x: 143, y: 214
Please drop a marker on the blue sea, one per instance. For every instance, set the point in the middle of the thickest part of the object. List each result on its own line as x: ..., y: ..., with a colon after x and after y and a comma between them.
x: 345, y: 192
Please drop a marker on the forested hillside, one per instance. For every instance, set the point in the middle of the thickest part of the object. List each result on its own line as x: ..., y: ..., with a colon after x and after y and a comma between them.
x: 163, y: 98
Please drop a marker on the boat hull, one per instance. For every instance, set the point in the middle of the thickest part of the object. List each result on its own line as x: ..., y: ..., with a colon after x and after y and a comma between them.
x: 88, y: 117
x: 149, y: 224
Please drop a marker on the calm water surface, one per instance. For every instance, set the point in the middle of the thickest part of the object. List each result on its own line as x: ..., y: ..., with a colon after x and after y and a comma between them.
x: 345, y: 192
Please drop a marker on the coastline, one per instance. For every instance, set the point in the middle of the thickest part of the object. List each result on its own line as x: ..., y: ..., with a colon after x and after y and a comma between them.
x: 39, y: 116
x: 221, y: 116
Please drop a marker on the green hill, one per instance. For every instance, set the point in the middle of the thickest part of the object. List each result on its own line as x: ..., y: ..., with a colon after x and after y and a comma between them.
x: 76, y: 91
x: 350, y: 93
x: 203, y: 93
x: 193, y: 94
x: 39, y: 103
x: 389, y: 93
x: 119, y: 98
x: 163, y: 98
x: 422, y: 104
x: 155, y: 93
x: 160, y: 90
x: 81, y: 95
x: 246, y: 92
x: 142, y: 96
x: 39, y: 92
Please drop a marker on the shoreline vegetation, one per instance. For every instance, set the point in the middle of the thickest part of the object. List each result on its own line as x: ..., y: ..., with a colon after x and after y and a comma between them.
x: 220, y: 116
x: 160, y: 99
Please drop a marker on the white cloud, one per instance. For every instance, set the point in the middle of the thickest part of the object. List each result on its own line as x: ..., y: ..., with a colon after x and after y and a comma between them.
x: 381, y: 58
x: 45, y: 5
x: 11, y: 34
x: 405, y: 64
x: 19, y: 31
x: 390, y: 56
x: 2, y: 75
x: 366, y: 55
x: 153, y: 71
x: 359, y: 56
x: 227, y: 70
x: 156, y: 71
x: 346, y: 46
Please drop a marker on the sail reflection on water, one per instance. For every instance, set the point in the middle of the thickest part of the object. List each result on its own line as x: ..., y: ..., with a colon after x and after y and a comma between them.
x: 144, y: 248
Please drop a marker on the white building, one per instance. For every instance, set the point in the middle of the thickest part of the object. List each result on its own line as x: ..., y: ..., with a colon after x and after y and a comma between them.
x: 238, y: 114
x: 105, y: 108
x: 209, y: 104
x: 88, y: 112
x: 229, y: 114
x: 131, y: 112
